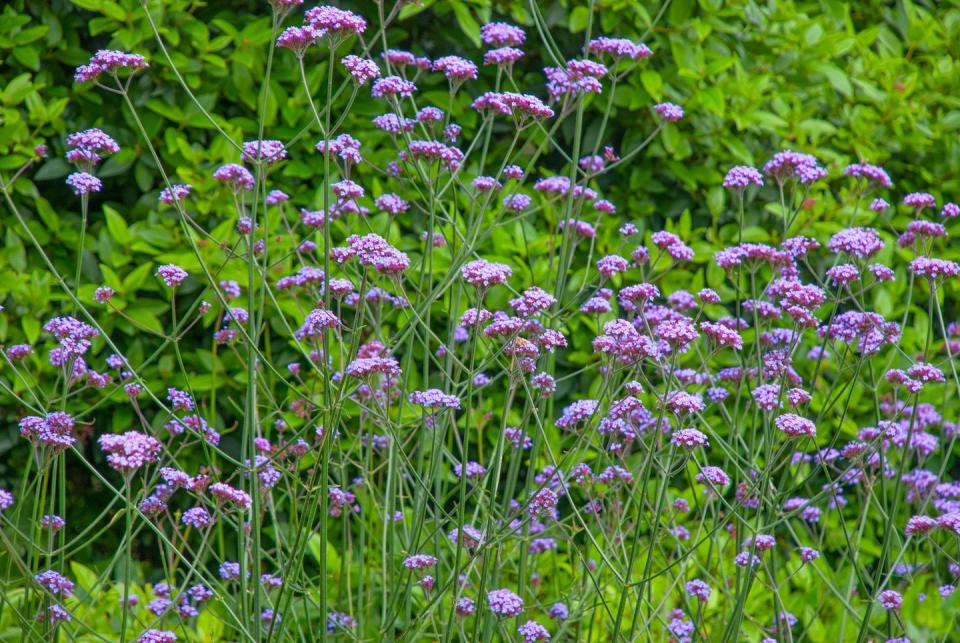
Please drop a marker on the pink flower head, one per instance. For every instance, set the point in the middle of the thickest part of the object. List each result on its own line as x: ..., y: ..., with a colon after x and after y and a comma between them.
x: 669, y: 111
x: 871, y: 173
x: 503, y: 602
x: 109, y: 61
x: 172, y: 275
x: 266, y: 151
x: 434, y: 399
x: 689, y: 439
x: 127, y: 452
x: 335, y: 23
x: 483, y: 274
x: 500, y: 34
x: 298, y: 39
x: 856, y: 242
x: 502, y: 57
x: 455, y: 68
x: 740, y: 177
x: 531, y: 631
x: 618, y: 48
x: 512, y: 104
x: 392, y: 86
x: 920, y: 200
x: 176, y: 192
x: 236, y: 176
x: 795, y: 426
x: 361, y: 69
x: 793, y: 165
x: 891, y: 600
x: 84, y: 183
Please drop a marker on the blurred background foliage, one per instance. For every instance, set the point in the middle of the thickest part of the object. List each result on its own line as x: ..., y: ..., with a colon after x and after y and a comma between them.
x: 873, y: 81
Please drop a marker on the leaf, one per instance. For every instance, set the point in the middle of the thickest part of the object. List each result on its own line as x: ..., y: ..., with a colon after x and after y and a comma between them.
x: 117, y: 226
x: 652, y: 82
x: 579, y: 18
x: 836, y: 77
x: 146, y: 319
x: 135, y: 279
x: 467, y: 22
x: 31, y: 328
x: 86, y: 578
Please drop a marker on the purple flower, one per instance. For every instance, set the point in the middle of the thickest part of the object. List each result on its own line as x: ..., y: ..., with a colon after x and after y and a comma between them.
x: 503, y: 57
x: 197, y: 517
x: 483, y: 274
x: 157, y: 636
x: 618, y: 48
x: 920, y: 200
x: 434, y: 399
x: 129, y: 451
x: 500, y: 34
x: 698, y: 589
x: 236, y: 176
x: 391, y: 86
x: 872, y: 173
x: 55, y: 583
x: 361, y: 69
x: 265, y: 151
x: 531, y: 631
x: 512, y: 104
x: 689, y: 439
x: 503, y: 602
x: 176, y: 192
x: 669, y: 111
x: 456, y: 69
x: 795, y: 426
x: 83, y: 183
x: 740, y: 177
x: 419, y: 561
x: 172, y: 275
x: 333, y: 22
x: 793, y: 165
x: 891, y: 600
x: 109, y: 61
x: 465, y: 607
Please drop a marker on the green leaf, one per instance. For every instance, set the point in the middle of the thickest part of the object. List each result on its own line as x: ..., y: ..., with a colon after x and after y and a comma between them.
x: 86, y: 578
x: 117, y: 226
x: 836, y: 77
x: 31, y: 328
x: 135, y: 279
x: 467, y: 22
x: 652, y: 82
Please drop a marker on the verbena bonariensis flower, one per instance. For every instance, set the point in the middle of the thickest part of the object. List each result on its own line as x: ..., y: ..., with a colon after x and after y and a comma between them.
x: 127, y: 452
x: 500, y: 34
x: 392, y: 86
x: 334, y: 22
x: 109, y: 61
x: 84, y: 183
x: 871, y: 173
x: 532, y: 631
x: 669, y: 111
x: 266, y: 151
x: 360, y: 69
x: 236, y: 176
x: 176, y: 192
x: 172, y: 275
x: 503, y: 602
x: 740, y: 177
x: 794, y: 165
x: 434, y: 399
x: 618, y: 48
